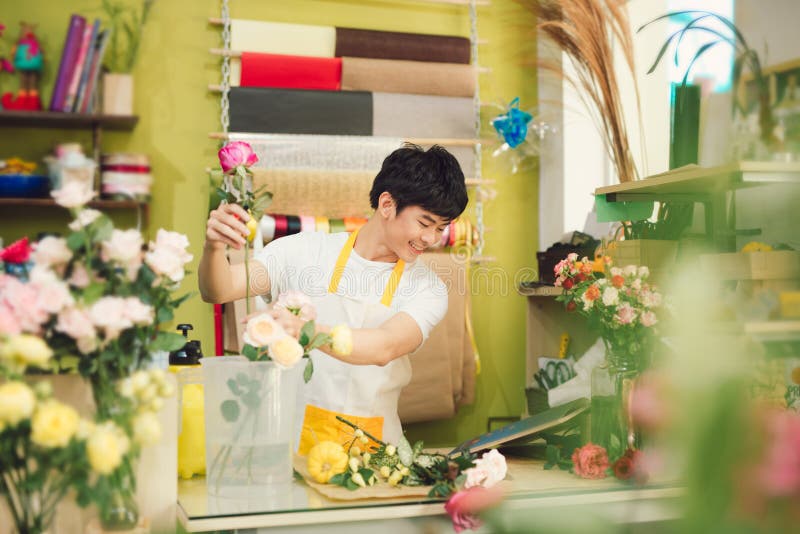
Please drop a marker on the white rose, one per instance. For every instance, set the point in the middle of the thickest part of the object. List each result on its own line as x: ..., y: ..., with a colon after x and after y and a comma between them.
x: 174, y: 240
x: 79, y: 277
x: 123, y: 247
x: 85, y: 218
x: 650, y: 299
x: 286, y: 352
x: 616, y: 271
x: 17, y: 402
x: 51, y: 251
x: 146, y: 429
x: 648, y: 319
x: 138, y: 312
x: 76, y: 323
x: 629, y: 270
x: 293, y: 300
x: 262, y: 330
x: 108, y: 314
x: 73, y: 194
x: 610, y: 296
x: 167, y: 256
x: 644, y: 272
x: 53, y: 294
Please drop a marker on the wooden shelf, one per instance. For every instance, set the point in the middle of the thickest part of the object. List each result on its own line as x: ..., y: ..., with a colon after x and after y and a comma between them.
x: 67, y: 121
x: 786, y: 330
x: 695, y: 180
x: 49, y: 202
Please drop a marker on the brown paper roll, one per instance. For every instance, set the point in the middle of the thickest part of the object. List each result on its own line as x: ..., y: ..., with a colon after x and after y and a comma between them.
x: 351, y: 42
x: 414, y: 77
x: 335, y: 194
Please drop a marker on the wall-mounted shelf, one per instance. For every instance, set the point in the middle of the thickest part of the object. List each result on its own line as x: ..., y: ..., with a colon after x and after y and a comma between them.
x: 142, y: 208
x: 67, y: 121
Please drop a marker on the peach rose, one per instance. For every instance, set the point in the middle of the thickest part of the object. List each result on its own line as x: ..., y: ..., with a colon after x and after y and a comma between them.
x: 590, y: 461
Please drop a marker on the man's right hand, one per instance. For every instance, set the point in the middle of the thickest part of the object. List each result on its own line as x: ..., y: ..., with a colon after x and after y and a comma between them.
x: 227, y: 225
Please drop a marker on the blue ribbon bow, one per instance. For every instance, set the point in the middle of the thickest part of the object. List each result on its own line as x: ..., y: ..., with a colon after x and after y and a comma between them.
x: 513, y: 125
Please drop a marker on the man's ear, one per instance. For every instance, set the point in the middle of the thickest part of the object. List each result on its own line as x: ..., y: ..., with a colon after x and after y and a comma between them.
x: 386, y: 205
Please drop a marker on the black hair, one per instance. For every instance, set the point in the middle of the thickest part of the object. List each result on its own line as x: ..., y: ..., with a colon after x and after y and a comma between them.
x: 431, y: 179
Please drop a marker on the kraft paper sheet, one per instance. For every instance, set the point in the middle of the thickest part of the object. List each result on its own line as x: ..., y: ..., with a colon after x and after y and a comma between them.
x: 412, y: 77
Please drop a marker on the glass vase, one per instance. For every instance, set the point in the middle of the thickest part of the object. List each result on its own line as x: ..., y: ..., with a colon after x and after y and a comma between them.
x: 119, y: 511
x: 612, y: 384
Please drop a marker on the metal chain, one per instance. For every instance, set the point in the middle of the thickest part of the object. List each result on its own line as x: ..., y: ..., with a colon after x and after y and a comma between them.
x: 224, y: 113
x: 476, y: 104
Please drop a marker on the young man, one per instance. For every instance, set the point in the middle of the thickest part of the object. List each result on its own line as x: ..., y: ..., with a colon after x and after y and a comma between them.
x: 368, y: 279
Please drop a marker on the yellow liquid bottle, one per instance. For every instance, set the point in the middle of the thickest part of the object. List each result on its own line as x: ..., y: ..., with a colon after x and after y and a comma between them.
x: 185, y: 363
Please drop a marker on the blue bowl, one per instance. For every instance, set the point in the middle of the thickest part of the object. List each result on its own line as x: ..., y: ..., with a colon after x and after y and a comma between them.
x: 24, y: 186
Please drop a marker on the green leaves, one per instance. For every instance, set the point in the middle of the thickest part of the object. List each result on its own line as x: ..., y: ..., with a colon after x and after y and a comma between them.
x: 308, y: 371
x: 307, y: 332
x: 250, y: 352
x: 230, y: 410
x: 404, y: 451
x: 167, y: 341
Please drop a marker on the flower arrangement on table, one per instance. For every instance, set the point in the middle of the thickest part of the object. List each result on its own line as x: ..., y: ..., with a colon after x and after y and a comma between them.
x: 468, y: 483
x: 94, y: 300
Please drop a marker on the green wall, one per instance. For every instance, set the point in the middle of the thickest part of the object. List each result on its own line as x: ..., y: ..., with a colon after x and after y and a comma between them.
x: 176, y: 113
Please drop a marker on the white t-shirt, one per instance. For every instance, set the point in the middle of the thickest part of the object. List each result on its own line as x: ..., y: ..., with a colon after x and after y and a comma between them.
x: 304, y: 262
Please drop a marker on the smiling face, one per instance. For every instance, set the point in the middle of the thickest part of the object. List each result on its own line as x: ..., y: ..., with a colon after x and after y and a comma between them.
x: 410, y: 232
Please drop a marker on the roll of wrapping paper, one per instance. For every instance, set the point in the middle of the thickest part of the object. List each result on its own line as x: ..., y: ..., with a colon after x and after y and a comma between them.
x: 352, y: 42
x: 291, y: 72
x: 278, y: 38
x: 325, y: 193
x: 351, y: 224
x: 297, y: 111
x: 337, y: 225
x: 322, y: 224
x: 292, y: 225
x: 267, y: 225
x: 333, y: 152
x: 396, y: 114
x: 400, y: 76
x: 280, y: 226
x: 307, y: 223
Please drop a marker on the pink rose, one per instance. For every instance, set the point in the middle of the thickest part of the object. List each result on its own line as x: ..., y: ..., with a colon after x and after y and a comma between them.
x: 138, y: 312
x: 53, y: 294
x: 9, y: 326
x: 79, y: 277
x: 590, y: 461
x: 625, y: 314
x: 779, y: 472
x: 108, y: 314
x: 463, y: 506
x: 234, y: 154
x: 123, y: 247
x: 167, y: 256
x: 648, y: 318
x: 76, y: 323
x: 24, y: 303
x: 648, y: 405
x: 85, y: 218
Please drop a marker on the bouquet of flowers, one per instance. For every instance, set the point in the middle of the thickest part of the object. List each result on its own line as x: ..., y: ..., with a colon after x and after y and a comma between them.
x: 95, y: 299
x: 619, y: 303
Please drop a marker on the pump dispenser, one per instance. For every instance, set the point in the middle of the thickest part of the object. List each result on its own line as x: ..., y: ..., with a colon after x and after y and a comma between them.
x: 185, y: 363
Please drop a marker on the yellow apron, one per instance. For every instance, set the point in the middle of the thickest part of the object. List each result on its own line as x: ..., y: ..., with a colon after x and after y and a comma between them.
x: 363, y: 394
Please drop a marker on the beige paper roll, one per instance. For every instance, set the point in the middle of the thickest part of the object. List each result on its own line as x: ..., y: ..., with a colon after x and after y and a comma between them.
x: 395, y: 114
x: 334, y: 194
x: 413, y: 77
x: 282, y: 38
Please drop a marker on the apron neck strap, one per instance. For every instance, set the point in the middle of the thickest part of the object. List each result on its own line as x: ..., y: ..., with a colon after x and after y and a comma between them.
x: 341, y: 262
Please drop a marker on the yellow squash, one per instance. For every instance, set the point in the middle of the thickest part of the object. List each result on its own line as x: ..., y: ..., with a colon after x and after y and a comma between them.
x: 325, y: 459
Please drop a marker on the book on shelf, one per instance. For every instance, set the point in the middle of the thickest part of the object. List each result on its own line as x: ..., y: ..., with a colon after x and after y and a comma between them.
x: 89, y: 97
x: 72, y: 91
x: 87, y: 65
x: 72, y: 44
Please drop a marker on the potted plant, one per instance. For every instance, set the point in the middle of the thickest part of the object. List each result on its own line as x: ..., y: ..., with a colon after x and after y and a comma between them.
x: 126, y: 25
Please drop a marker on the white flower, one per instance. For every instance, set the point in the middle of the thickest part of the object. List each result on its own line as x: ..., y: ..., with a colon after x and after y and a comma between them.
x: 262, y: 330
x: 73, y: 194
x: 489, y: 469
x: 138, y: 312
x: 293, y: 300
x: 85, y: 218
x: 629, y: 270
x: 625, y: 314
x: 616, y: 271
x: 51, y: 251
x: 124, y: 247
x: 286, y: 352
x: 17, y: 402
x: 53, y: 293
x: 79, y: 277
x: 146, y: 429
x: 636, y: 284
x: 167, y: 256
x: 108, y: 314
x: 76, y: 323
x: 650, y: 299
x: 644, y: 272
x: 610, y: 296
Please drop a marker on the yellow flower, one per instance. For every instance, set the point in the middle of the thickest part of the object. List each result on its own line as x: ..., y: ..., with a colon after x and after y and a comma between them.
x: 342, y: 340
x: 146, y: 429
x: 756, y: 246
x: 325, y: 459
x: 25, y: 349
x: 105, y: 447
x: 17, y: 402
x: 54, y: 424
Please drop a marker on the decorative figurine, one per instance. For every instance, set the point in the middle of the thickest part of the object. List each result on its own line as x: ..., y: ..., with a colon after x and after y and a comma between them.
x: 28, y: 60
x: 5, y: 64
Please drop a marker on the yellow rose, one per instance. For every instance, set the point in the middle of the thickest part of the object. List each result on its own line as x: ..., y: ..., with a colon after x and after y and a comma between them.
x: 105, y: 447
x: 85, y: 429
x: 342, y: 340
x: 54, y: 424
x: 286, y: 352
x: 17, y: 402
x: 146, y: 429
x: 26, y: 349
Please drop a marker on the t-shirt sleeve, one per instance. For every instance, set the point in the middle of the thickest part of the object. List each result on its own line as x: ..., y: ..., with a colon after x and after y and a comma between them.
x: 428, y: 305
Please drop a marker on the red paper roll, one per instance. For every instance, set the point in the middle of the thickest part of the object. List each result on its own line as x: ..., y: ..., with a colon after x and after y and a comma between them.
x: 291, y: 72
x: 281, y: 226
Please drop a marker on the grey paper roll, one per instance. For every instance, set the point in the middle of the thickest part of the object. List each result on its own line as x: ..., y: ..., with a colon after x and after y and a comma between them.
x: 422, y: 116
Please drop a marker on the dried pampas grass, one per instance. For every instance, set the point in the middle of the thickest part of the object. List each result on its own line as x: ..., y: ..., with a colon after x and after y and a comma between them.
x: 586, y: 31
